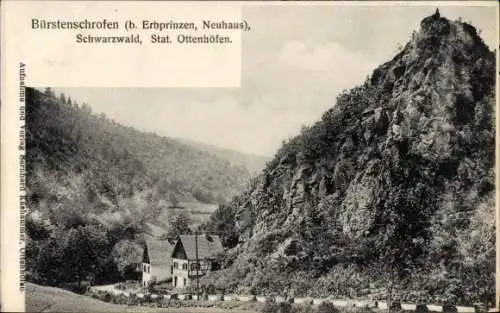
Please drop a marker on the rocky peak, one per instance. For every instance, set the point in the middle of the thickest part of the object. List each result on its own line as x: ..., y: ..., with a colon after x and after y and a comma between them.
x: 370, y: 177
x: 435, y: 24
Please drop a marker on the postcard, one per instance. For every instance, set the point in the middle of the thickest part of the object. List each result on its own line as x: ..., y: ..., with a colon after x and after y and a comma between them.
x: 253, y: 156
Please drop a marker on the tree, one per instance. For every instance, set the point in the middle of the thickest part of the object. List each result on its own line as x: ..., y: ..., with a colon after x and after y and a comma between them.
x: 126, y: 254
x: 179, y: 226
x: 222, y: 222
x: 49, y: 92
x: 62, y: 98
x: 84, y: 251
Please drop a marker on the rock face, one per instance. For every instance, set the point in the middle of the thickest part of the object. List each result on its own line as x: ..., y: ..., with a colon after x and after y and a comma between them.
x: 373, y: 189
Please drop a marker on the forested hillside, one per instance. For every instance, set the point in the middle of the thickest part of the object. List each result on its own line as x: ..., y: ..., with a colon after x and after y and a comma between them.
x: 70, y: 149
x: 92, y: 183
x: 391, y: 192
x: 253, y: 163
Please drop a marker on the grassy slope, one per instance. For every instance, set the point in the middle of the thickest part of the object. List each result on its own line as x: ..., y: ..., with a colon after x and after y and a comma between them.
x: 49, y: 299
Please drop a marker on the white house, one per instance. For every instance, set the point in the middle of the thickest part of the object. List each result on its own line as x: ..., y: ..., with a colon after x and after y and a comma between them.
x: 156, y: 260
x: 184, y: 256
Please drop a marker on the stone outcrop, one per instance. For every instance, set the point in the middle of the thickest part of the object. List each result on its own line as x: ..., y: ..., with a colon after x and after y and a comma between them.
x: 364, y: 186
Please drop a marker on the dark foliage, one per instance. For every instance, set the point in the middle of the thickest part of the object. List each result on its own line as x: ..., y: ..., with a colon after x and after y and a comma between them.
x: 222, y: 223
x: 327, y: 307
x: 71, y: 257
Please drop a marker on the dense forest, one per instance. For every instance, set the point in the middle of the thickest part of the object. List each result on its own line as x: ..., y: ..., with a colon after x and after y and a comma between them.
x: 92, y: 184
x: 390, y: 194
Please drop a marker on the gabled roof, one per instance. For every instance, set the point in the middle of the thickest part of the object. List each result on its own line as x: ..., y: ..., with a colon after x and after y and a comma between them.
x: 208, y: 246
x: 157, y: 251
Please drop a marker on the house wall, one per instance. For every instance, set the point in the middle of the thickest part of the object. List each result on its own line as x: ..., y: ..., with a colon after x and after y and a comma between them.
x: 204, y: 268
x: 148, y: 271
x: 146, y: 274
x: 161, y: 273
x: 186, y: 272
x: 180, y: 273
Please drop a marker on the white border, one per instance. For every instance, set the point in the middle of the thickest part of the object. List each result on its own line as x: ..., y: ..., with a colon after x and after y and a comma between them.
x: 12, y: 299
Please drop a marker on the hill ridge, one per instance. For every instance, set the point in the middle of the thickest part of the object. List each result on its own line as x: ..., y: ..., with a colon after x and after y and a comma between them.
x: 254, y: 163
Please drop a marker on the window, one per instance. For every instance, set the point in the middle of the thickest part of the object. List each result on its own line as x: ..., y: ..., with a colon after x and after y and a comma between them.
x: 194, y: 266
x: 184, y: 282
x: 214, y: 266
x: 175, y: 281
x: 171, y: 269
x: 176, y: 265
x: 149, y: 268
x: 184, y: 266
x: 144, y: 268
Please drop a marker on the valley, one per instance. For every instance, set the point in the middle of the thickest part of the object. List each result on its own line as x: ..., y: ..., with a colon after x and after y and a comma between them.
x: 389, y: 195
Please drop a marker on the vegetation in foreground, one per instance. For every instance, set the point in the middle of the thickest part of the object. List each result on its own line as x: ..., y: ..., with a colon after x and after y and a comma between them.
x: 50, y: 299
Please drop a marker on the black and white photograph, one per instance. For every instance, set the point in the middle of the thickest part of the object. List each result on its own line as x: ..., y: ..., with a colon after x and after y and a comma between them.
x: 352, y: 171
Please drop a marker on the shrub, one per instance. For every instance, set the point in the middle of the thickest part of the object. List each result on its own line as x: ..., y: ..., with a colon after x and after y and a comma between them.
x: 152, y: 283
x: 284, y: 307
x: 79, y: 288
x: 395, y: 306
x: 304, y: 308
x: 421, y: 308
x: 119, y: 299
x: 270, y: 307
x: 327, y: 307
x: 106, y: 297
x: 132, y: 300
x: 449, y: 308
x: 361, y: 310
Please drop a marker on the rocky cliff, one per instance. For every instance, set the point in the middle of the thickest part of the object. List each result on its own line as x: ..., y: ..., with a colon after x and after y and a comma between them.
x: 393, y: 186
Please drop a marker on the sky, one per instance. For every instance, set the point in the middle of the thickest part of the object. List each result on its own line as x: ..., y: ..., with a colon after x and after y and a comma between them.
x: 295, y: 60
